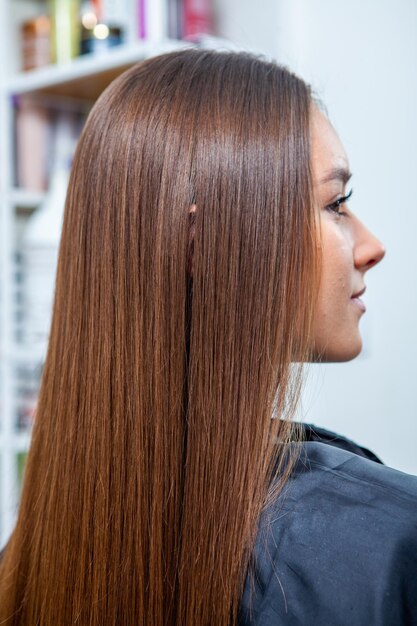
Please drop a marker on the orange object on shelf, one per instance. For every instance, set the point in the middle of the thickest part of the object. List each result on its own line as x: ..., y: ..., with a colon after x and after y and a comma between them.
x: 36, y: 42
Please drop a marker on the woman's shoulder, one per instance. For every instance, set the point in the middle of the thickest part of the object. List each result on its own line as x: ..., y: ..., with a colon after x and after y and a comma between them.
x: 339, y: 545
x: 353, y: 468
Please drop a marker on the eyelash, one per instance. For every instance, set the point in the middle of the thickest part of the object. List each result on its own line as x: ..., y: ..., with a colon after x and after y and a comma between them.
x: 334, y: 206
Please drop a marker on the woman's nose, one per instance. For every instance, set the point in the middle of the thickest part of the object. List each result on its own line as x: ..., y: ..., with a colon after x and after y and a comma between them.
x: 368, y: 249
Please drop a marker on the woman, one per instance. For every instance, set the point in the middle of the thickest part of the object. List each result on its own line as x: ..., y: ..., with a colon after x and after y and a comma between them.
x: 207, y: 252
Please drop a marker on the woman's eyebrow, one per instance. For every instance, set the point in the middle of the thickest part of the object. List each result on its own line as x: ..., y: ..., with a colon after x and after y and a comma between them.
x: 337, y: 173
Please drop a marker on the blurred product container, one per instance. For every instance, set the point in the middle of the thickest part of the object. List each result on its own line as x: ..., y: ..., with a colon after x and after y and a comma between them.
x: 102, y: 25
x: 197, y: 19
x: 65, y: 30
x: 36, y: 42
x: 32, y: 143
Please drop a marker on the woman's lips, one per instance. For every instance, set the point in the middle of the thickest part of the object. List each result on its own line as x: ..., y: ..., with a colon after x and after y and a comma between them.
x: 359, y: 303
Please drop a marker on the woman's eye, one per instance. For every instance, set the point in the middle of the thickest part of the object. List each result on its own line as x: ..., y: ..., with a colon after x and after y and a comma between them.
x: 334, y: 207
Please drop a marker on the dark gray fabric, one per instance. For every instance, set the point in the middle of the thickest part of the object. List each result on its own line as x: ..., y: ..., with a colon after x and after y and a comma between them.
x: 339, y: 546
x: 317, y: 433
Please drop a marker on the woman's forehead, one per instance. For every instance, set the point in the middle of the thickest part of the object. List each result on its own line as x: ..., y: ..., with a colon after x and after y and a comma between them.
x: 328, y: 155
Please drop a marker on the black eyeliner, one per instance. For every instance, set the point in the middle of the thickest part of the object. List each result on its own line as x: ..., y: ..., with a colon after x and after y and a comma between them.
x: 334, y: 205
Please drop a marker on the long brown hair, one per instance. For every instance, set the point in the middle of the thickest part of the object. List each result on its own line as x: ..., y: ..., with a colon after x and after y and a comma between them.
x: 165, y: 405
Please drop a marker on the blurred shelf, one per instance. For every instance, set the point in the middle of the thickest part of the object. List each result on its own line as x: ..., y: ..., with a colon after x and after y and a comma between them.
x: 25, y: 199
x: 87, y: 76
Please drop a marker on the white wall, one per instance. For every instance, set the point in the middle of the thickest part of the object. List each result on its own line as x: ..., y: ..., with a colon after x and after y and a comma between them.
x: 361, y: 58
x: 249, y: 24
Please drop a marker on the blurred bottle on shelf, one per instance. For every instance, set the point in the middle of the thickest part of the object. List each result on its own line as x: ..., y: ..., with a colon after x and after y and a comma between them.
x: 36, y: 42
x: 32, y: 124
x: 102, y: 25
x: 175, y: 19
x: 35, y: 129
x: 197, y: 19
x: 65, y: 30
x: 187, y: 19
x: 153, y: 19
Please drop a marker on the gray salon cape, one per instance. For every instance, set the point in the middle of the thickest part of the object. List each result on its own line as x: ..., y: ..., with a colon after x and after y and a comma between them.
x: 339, y: 547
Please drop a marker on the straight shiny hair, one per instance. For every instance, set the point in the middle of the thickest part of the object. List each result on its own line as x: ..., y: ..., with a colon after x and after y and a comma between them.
x: 174, y: 365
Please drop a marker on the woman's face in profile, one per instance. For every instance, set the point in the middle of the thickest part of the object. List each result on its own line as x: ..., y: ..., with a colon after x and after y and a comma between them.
x: 348, y: 249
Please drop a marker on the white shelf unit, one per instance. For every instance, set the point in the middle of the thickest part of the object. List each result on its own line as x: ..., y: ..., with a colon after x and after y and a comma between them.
x: 83, y: 79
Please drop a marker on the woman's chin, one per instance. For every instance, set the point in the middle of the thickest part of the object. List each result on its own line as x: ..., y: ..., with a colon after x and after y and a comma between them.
x: 339, y: 352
